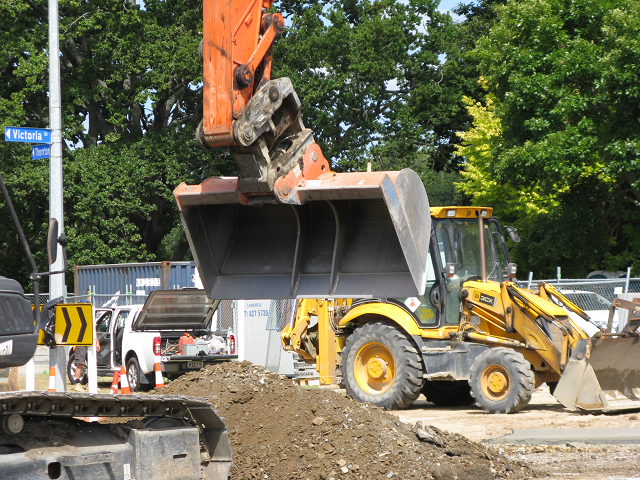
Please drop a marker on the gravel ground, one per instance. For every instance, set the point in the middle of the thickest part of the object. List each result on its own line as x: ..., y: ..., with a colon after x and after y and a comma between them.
x: 280, y: 430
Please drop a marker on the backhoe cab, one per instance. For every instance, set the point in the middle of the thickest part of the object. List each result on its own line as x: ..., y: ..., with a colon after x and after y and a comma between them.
x: 474, y: 337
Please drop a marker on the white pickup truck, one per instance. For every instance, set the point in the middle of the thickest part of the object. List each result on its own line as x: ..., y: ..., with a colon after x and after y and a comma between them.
x: 141, y: 335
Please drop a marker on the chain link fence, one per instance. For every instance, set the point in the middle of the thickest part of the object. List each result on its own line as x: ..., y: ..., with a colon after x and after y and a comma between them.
x: 44, y: 298
x: 606, y: 288
x: 258, y: 324
x: 594, y: 296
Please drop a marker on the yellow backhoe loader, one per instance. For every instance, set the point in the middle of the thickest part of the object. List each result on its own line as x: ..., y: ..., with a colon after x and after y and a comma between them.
x: 475, y: 336
x: 436, y: 310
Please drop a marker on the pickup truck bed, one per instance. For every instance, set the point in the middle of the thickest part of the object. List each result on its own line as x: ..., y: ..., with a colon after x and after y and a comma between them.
x: 139, y: 336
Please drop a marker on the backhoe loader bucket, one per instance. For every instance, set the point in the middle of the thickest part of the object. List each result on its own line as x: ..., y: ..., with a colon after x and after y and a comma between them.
x: 352, y: 235
x: 603, y: 374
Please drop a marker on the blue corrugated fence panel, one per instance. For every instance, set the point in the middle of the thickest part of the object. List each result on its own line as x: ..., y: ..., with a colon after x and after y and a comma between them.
x: 133, y: 278
x: 183, y: 275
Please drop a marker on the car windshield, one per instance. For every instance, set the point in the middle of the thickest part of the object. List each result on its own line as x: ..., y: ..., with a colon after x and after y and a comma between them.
x: 588, y: 300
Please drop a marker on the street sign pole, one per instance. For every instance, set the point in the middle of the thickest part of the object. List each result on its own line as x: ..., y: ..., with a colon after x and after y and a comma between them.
x: 57, y: 356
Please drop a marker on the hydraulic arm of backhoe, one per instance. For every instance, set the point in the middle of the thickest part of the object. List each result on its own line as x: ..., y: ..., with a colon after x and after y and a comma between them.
x: 287, y: 226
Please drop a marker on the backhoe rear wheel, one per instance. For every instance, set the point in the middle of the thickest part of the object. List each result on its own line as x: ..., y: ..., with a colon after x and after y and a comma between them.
x: 501, y: 381
x: 381, y: 365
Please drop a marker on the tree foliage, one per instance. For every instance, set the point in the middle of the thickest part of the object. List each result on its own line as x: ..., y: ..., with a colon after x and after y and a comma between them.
x: 565, y: 77
x: 379, y: 81
x: 131, y: 95
x: 478, y: 144
x: 121, y: 192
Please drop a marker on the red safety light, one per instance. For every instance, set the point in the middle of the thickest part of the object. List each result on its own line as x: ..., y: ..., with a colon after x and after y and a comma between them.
x: 232, y: 344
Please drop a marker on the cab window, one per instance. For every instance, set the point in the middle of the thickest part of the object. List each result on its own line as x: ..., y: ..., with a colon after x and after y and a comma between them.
x: 103, y: 322
x: 120, y: 319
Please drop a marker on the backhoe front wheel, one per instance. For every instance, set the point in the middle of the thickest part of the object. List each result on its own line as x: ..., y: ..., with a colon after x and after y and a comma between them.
x: 381, y: 365
x: 501, y: 381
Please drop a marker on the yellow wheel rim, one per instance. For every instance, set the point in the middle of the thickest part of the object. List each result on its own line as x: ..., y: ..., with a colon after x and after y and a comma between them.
x: 374, y: 368
x: 495, y: 382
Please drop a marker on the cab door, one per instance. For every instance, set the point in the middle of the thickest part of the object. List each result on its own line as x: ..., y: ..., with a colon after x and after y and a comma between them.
x: 103, y: 333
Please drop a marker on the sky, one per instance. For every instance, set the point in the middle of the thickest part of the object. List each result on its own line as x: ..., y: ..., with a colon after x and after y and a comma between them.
x: 444, y: 4
x: 449, y: 4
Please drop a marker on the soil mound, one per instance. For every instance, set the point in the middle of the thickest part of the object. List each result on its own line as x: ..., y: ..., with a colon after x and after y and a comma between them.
x: 282, y: 431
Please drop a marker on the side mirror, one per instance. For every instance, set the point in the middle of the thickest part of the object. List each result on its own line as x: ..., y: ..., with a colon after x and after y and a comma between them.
x: 513, y: 233
x: 52, y: 241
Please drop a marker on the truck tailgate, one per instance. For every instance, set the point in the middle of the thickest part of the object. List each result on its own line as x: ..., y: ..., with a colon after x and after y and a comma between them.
x: 199, y: 358
x: 183, y: 363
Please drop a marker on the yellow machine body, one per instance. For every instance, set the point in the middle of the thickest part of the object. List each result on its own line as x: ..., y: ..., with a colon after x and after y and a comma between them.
x: 540, y: 330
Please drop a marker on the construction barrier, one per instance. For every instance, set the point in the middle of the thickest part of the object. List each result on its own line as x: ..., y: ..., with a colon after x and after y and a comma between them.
x: 159, y: 379
x: 114, y: 383
x: 124, y: 382
x: 52, y: 379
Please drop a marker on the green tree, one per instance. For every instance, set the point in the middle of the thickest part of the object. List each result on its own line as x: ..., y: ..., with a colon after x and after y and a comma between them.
x: 121, y: 192
x: 565, y: 76
x: 379, y: 81
x: 131, y: 85
x: 477, y: 149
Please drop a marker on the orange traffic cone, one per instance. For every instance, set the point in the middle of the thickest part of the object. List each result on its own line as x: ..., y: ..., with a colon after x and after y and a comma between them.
x: 114, y: 383
x: 124, y: 382
x: 52, y: 379
x: 159, y: 379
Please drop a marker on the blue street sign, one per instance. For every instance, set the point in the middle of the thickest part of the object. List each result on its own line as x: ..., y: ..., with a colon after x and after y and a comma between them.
x: 40, y: 151
x: 27, y: 135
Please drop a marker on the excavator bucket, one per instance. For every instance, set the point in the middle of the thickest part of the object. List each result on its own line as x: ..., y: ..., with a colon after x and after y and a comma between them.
x: 602, y: 374
x: 347, y: 235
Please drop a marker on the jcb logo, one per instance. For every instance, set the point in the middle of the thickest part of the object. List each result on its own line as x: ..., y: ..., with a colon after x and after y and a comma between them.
x: 484, y: 298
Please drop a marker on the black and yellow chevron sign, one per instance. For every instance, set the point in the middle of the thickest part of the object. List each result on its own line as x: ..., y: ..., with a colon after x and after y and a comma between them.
x: 73, y: 325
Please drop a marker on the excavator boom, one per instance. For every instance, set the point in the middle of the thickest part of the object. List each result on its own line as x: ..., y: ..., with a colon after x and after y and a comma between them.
x: 287, y: 226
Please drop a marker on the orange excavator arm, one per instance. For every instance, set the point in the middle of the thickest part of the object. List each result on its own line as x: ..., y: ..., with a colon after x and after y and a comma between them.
x: 235, y: 61
x: 243, y: 109
x: 287, y: 226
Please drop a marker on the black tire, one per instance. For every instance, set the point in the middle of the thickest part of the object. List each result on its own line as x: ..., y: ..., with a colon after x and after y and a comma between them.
x: 134, y: 377
x: 71, y: 371
x: 392, y: 377
x: 501, y: 381
x: 448, y: 393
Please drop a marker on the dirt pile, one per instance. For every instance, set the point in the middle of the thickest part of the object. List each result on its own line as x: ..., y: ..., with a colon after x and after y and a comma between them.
x: 279, y: 430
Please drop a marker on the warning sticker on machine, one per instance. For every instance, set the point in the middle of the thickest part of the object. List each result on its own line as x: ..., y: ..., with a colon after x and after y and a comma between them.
x: 412, y: 303
x: 484, y: 298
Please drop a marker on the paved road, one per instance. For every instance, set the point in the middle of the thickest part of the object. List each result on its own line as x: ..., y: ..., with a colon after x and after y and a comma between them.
x: 562, y: 436
x: 543, y: 422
